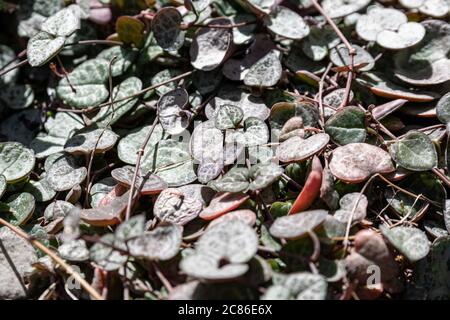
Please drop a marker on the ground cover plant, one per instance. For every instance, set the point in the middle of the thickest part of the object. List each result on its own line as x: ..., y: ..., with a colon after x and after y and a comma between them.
x: 224, y: 149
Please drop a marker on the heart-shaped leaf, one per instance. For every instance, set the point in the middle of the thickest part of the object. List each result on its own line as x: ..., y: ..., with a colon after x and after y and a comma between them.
x: 88, y: 80
x: 162, y: 243
x: 130, y: 143
x: 57, y: 209
x: 231, y: 240
x: 175, y: 206
x: 378, y: 19
x: 171, y: 161
x: 340, y: 57
x: 244, y: 215
x: 124, y: 58
x: 266, y: 72
x: 427, y: 63
x: 151, y: 184
x: 347, y: 126
x: 166, y: 29
x: 16, y: 161
x: 74, y: 251
x: 298, y: 286
x: 410, y: 241
x: 106, y: 215
x: 342, y: 8
x: 297, y: 225
x: 109, y: 115
x: 407, y: 35
x: 62, y: 24
x: 97, y: 141
x: 355, y: 162
x: 20, y: 207
x: 210, y: 46
x: 40, y: 190
x: 104, y: 254
x: 286, y: 23
x: 64, y: 173
x: 415, y: 152
x: 352, y: 206
x: 130, y: 30
x: 228, y: 117
x: 298, y: 149
x: 42, y: 47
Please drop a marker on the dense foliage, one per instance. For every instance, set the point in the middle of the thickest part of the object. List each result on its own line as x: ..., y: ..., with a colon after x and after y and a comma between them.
x: 224, y: 149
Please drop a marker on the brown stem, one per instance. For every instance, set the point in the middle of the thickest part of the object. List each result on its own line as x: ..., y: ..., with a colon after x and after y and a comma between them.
x: 140, y: 153
x: 220, y: 26
x: 17, y: 65
x: 143, y: 91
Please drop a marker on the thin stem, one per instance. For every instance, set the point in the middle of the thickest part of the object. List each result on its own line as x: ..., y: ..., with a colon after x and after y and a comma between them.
x: 221, y: 26
x: 111, y: 99
x: 351, y: 51
x: 65, y: 74
x: 162, y: 278
x: 95, y: 42
x: 69, y: 270
x: 17, y: 65
x: 143, y: 91
x: 339, y: 33
x: 291, y: 181
x: 350, y: 218
x: 140, y: 153
x: 441, y: 176
x: 316, y: 244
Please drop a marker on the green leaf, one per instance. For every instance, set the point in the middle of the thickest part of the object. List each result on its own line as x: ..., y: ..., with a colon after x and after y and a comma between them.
x: 410, y: 241
x: 206, y: 53
x: 97, y: 141
x: 297, y: 225
x: 298, y: 286
x: 42, y: 47
x: 16, y: 161
x: 110, y: 114
x: 124, y: 58
x: 286, y: 23
x: 228, y: 117
x: 88, y: 81
x: 62, y: 24
x: 415, y: 152
x: 21, y: 207
x: 162, y: 243
x: 175, y: 206
x: 130, y: 30
x: 443, y: 108
x: 266, y: 72
x: 40, y: 190
x: 64, y: 174
x: 347, y: 126
x: 130, y: 143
